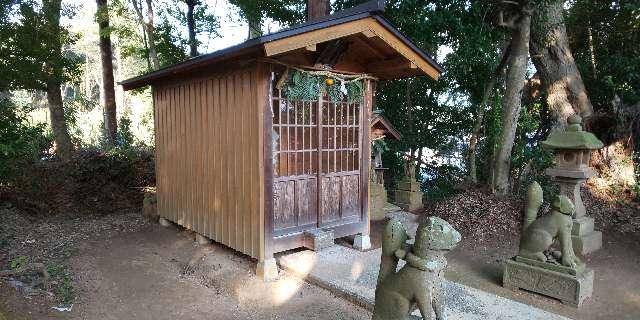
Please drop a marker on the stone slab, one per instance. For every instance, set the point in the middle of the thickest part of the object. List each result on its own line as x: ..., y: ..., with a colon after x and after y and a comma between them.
x: 570, y: 289
x: 588, y: 243
x: 352, y: 275
x: 318, y: 239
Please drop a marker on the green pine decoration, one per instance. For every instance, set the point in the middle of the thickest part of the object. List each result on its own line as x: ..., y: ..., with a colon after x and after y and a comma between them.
x: 303, y: 85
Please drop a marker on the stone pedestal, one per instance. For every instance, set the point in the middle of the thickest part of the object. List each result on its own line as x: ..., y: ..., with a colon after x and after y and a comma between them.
x: 570, y: 286
x: 377, y: 201
x: 585, y: 238
x: 408, y: 195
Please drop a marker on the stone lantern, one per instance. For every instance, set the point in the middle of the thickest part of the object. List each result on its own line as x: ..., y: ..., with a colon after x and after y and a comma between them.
x: 572, y: 149
x: 381, y: 128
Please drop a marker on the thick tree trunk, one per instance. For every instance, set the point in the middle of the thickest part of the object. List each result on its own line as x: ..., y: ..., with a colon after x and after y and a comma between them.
x: 516, y: 75
x: 191, y: 26
x: 317, y: 9
x: 64, y: 147
x: 551, y: 55
x: 108, y: 90
x: 477, y: 126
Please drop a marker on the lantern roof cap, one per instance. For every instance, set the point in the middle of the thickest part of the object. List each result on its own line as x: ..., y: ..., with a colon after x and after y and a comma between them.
x: 573, y: 137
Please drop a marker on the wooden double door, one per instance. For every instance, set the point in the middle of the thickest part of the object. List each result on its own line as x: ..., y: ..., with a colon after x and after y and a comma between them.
x: 317, y: 160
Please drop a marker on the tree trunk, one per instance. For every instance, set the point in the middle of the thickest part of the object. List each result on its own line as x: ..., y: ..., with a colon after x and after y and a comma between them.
x: 317, y: 9
x: 255, y: 27
x: 149, y: 30
x: 191, y: 26
x: 108, y: 90
x: 477, y: 126
x: 551, y: 55
x: 516, y: 75
x: 64, y: 147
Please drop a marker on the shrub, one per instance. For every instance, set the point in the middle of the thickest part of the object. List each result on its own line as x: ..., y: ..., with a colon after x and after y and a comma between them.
x: 20, y: 142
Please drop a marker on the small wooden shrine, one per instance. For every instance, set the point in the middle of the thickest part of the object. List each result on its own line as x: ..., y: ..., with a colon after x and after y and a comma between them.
x: 261, y: 144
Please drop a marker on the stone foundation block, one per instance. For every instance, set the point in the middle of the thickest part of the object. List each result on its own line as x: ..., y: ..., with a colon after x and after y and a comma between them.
x: 570, y: 289
x: 318, y: 239
x: 202, y: 240
x: 587, y: 243
x: 267, y: 270
x: 164, y: 222
x: 582, y: 226
x: 362, y: 242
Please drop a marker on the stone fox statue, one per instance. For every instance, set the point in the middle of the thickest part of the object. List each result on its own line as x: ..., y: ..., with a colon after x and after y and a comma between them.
x: 538, y: 234
x: 419, y: 282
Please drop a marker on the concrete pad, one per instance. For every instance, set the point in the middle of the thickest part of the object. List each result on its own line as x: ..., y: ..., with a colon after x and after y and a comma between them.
x: 352, y: 274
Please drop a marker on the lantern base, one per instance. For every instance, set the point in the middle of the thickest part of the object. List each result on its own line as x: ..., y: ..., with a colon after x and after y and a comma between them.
x: 587, y: 243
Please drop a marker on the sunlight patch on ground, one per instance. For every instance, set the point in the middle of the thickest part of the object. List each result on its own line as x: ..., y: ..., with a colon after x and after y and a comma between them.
x: 356, y: 269
x: 632, y: 298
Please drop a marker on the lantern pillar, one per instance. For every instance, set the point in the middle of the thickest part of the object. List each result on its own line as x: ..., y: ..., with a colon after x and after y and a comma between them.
x: 571, y: 170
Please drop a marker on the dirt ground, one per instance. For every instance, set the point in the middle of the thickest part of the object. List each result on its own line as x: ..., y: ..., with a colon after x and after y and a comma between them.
x: 144, y: 275
x: 123, y: 267
x: 616, y: 266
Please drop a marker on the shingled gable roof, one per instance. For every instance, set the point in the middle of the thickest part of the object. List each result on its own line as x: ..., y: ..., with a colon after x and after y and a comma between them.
x: 371, y: 10
x: 378, y: 120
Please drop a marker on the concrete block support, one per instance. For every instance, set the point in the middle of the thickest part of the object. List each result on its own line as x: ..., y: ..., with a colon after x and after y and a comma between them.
x: 362, y: 242
x: 202, y: 240
x: 267, y: 270
x: 164, y: 222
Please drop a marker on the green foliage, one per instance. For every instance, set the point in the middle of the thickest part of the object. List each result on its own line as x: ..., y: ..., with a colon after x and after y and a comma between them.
x: 379, y: 145
x: 287, y: 12
x: 615, y: 33
x: 20, y: 142
x: 125, y: 138
x: 307, y: 86
x: 30, y: 51
x: 440, y: 181
x: 64, y: 290
x: 18, y: 262
x: 170, y: 46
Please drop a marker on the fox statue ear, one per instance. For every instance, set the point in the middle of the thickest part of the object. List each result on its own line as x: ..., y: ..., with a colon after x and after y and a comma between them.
x: 394, y: 237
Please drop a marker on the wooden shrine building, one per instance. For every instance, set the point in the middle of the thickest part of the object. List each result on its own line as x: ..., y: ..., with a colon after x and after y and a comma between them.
x: 243, y: 161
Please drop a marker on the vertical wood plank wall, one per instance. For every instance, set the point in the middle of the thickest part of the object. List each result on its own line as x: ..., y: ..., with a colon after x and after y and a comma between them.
x: 209, y: 157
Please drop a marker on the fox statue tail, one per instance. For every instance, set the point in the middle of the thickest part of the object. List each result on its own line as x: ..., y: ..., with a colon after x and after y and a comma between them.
x: 534, y: 201
x: 394, y: 237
